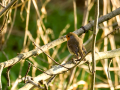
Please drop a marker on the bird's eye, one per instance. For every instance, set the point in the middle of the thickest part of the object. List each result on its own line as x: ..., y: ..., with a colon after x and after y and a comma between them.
x: 68, y: 36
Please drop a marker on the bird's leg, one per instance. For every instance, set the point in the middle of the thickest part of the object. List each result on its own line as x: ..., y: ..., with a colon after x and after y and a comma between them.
x: 82, y: 57
x: 77, y: 57
x: 73, y: 60
x: 81, y: 51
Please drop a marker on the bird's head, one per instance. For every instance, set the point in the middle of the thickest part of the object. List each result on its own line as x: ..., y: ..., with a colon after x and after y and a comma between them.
x: 70, y: 35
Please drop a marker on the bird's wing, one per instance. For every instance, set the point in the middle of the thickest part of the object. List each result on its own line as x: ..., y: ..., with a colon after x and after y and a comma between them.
x: 73, y: 48
x: 80, y: 47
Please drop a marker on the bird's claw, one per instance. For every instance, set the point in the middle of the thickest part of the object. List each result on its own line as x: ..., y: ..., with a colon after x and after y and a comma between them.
x: 73, y: 61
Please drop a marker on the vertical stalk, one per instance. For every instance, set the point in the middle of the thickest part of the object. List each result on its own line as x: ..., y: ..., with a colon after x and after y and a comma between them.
x: 93, y: 43
x: 75, y: 14
x: 27, y: 23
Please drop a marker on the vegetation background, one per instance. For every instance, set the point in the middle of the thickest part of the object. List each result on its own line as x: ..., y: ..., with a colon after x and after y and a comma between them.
x: 43, y: 21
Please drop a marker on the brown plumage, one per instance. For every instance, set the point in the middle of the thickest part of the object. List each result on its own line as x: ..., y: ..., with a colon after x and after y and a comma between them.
x: 75, y: 44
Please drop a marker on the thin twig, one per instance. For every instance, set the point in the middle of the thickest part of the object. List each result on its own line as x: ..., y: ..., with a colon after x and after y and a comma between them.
x: 27, y: 71
x: 5, y: 55
x: 93, y: 44
x: 50, y: 56
x: 38, y: 68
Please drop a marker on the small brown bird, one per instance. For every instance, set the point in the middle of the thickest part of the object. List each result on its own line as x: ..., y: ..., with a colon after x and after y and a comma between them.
x: 75, y: 44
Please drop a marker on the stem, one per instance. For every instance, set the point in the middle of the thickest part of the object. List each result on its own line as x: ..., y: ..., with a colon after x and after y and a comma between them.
x: 93, y: 43
x: 75, y: 14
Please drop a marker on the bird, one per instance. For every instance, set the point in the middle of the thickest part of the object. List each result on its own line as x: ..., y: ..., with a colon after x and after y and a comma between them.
x: 75, y: 45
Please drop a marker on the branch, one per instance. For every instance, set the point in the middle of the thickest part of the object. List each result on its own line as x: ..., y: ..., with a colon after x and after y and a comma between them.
x: 57, y: 69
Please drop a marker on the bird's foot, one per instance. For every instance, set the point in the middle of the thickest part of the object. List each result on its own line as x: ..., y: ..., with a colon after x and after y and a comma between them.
x: 74, y: 61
